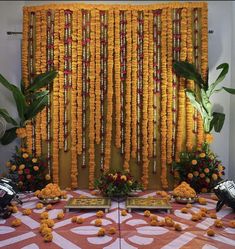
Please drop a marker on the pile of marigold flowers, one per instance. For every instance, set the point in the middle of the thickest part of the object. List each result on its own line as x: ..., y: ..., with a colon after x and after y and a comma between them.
x: 28, y: 171
x: 200, y: 168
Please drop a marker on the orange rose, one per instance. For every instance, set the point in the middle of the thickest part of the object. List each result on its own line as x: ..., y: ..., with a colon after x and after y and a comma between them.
x: 36, y: 168
x: 25, y: 155
x: 206, y: 170
x: 190, y: 175
x: 194, y: 162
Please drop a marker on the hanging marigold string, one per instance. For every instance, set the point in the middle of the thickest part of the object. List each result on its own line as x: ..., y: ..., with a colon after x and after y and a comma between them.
x: 150, y: 87
x: 134, y: 85
x: 108, y: 133
x: 190, y: 85
x: 139, y: 82
x: 25, y: 48
x: 117, y: 80
x: 84, y: 86
x: 92, y: 100
x: 196, y: 58
x: 39, y: 24
x: 74, y: 120
x: 56, y: 98
x: 169, y: 87
x: 79, y: 84
x: 176, y: 56
x: 163, y: 114
x: 123, y: 75
x: 181, y: 92
x: 97, y: 78
x: 61, y: 79
x: 127, y: 145
x: 145, y: 102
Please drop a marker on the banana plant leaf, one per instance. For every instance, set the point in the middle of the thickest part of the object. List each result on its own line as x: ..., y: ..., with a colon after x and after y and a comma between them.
x: 37, y: 95
x: 4, y: 113
x: 188, y: 71
x: 36, y: 106
x: 42, y: 80
x: 217, y: 121
x: 225, y: 68
x: 229, y: 90
x: 206, y: 102
x: 192, y: 97
x: 17, y: 94
x: 9, y: 136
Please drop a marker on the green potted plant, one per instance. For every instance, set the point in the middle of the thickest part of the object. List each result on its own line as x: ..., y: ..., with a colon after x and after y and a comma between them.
x: 29, y: 102
x: 200, y: 97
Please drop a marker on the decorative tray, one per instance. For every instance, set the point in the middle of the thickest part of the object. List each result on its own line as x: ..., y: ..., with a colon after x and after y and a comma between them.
x: 147, y: 203
x: 88, y: 203
x: 49, y: 200
x: 185, y: 200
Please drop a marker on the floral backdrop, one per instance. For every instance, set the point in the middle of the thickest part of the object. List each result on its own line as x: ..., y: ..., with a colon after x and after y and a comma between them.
x: 116, y: 99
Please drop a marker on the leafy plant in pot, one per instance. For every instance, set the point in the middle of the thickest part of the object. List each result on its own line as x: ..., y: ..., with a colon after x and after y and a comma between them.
x: 29, y: 102
x: 200, y: 97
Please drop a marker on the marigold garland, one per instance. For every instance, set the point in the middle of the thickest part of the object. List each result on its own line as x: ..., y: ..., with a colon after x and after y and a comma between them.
x: 92, y: 101
x: 190, y: 85
x: 134, y: 85
x: 145, y: 103
x: 108, y: 135
x: 97, y: 77
x: 163, y: 114
x: 56, y: 92
x: 127, y: 146
x: 79, y: 80
x: 117, y: 81
x: 181, y: 92
x: 74, y: 120
x: 169, y: 87
x: 150, y: 87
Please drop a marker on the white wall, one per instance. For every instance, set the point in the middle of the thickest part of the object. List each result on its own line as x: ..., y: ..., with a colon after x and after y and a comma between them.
x: 220, y: 50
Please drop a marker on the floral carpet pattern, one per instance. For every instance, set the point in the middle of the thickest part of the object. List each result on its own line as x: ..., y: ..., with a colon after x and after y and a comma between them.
x: 133, y: 231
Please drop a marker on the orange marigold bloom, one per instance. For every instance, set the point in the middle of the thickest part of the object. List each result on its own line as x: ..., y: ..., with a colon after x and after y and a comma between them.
x: 202, y: 155
x: 209, y: 138
x: 190, y: 175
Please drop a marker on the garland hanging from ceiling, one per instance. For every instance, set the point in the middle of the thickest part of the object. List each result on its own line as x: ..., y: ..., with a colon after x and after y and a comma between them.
x: 116, y: 86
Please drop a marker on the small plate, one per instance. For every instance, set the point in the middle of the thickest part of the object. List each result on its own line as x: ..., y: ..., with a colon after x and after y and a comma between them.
x: 50, y: 200
x: 185, y: 200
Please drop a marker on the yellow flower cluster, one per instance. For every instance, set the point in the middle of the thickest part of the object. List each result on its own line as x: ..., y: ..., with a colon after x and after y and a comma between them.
x: 184, y: 190
x: 21, y: 132
x: 50, y: 191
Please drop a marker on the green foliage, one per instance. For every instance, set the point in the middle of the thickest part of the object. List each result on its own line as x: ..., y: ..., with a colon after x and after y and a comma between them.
x: 27, y: 171
x: 29, y: 102
x: 116, y: 184
x: 200, y: 168
x: 200, y: 97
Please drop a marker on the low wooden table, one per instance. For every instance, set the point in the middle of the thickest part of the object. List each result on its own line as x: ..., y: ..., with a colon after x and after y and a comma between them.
x: 147, y: 203
x: 88, y: 203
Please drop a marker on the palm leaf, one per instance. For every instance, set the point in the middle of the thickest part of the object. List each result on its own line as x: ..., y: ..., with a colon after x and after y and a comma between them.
x: 188, y: 71
x: 225, y: 68
x: 4, y: 113
x: 9, y: 136
x: 36, y: 106
x: 42, y: 80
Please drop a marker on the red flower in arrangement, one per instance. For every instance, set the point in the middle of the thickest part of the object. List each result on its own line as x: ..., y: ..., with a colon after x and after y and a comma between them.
x: 116, y: 184
x: 201, y: 169
x: 28, y: 171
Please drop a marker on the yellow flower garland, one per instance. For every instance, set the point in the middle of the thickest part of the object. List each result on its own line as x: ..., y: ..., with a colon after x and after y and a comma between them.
x: 127, y: 146
x: 169, y: 88
x: 164, y: 100
x: 108, y: 134
x: 97, y: 85
x: 150, y: 88
x: 134, y: 86
x: 25, y: 44
x: 56, y: 89
x: 79, y: 80
x: 145, y: 103
x: 74, y: 161
x: 181, y: 92
x: 117, y: 82
x: 190, y: 85
x: 92, y: 102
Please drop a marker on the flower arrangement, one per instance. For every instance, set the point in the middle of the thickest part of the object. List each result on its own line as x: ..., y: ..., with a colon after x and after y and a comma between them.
x: 200, y: 168
x: 28, y: 171
x: 117, y: 184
